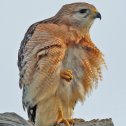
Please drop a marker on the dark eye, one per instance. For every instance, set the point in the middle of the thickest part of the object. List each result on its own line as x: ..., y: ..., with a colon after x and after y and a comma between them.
x: 83, y: 11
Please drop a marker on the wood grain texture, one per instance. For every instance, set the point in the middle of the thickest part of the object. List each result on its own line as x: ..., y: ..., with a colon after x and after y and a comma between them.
x: 12, y: 119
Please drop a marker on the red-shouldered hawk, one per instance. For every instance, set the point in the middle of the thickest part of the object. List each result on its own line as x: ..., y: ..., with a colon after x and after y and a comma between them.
x: 59, y: 64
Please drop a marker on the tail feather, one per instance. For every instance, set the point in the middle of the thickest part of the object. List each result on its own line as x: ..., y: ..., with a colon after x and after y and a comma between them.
x: 32, y: 113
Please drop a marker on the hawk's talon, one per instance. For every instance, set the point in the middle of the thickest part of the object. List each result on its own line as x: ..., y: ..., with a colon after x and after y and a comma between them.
x: 65, y: 121
x: 71, y: 121
x: 67, y: 75
x: 61, y: 119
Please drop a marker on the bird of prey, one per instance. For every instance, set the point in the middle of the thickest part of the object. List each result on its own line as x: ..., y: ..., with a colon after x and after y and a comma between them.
x: 59, y: 64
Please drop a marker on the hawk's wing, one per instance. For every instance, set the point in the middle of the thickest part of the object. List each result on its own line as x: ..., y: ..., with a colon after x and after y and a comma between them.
x: 38, y: 59
x: 27, y: 37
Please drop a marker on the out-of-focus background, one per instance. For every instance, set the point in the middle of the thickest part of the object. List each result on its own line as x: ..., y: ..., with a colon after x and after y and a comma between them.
x: 109, y: 34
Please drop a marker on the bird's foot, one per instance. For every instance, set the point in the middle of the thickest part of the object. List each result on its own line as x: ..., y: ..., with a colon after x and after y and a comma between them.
x: 61, y: 119
x: 71, y: 121
x: 67, y: 75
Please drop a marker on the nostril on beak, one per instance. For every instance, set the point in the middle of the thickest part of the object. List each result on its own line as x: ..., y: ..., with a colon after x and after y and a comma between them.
x: 98, y: 15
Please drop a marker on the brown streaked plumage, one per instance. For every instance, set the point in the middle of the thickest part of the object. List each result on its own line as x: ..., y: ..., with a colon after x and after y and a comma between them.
x: 59, y: 64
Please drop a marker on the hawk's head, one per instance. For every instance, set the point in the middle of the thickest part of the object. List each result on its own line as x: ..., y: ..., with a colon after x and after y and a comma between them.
x: 80, y: 15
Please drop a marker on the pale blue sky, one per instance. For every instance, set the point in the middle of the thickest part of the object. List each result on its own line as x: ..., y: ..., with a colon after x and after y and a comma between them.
x: 109, y: 34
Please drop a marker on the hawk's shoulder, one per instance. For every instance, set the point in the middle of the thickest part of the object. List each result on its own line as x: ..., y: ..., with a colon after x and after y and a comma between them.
x: 26, y: 38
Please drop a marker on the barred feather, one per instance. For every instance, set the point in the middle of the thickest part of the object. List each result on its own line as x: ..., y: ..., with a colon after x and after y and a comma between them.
x: 92, y: 64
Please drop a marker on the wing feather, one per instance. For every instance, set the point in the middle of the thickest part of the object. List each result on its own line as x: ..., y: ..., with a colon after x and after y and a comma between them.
x: 27, y: 37
x: 38, y: 58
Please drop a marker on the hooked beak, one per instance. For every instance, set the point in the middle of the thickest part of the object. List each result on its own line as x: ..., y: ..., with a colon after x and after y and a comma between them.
x: 98, y: 15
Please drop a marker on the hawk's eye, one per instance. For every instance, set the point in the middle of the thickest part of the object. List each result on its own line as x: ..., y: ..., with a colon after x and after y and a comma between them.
x: 83, y: 11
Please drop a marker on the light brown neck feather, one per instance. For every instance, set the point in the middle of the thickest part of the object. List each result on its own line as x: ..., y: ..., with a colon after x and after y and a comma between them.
x: 92, y: 62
